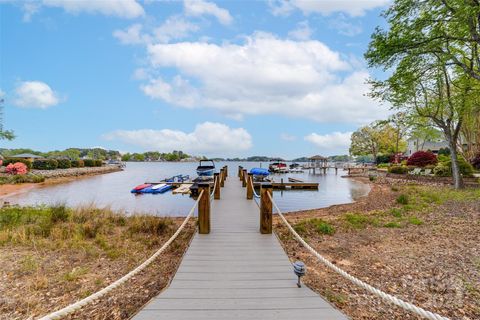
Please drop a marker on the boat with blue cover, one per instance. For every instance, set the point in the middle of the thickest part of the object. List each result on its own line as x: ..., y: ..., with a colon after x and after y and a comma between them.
x: 259, y: 172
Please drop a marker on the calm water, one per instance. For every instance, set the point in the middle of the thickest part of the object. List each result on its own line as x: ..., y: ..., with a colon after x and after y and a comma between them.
x: 113, y: 190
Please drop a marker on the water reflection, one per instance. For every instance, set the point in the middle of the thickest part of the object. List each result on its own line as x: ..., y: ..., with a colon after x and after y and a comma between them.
x: 113, y: 190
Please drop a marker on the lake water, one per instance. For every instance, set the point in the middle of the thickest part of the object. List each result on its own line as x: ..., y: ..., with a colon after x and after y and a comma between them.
x: 113, y: 190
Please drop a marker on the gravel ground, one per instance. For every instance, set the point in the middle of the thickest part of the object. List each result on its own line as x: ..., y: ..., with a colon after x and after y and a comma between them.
x: 435, y: 264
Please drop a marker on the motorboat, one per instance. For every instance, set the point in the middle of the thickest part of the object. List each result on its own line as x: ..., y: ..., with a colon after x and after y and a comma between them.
x: 206, y: 168
x: 277, y: 166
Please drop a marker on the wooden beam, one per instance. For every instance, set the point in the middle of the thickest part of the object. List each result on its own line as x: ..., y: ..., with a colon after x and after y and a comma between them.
x: 217, y: 186
x: 250, y: 186
x: 204, y: 209
x: 265, y: 209
x: 244, y: 178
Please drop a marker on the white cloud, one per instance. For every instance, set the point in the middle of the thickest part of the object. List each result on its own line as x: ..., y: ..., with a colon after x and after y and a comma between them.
x: 2, y: 93
x: 264, y: 75
x: 325, y: 7
x: 132, y: 35
x: 35, y: 94
x: 120, y: 8
x: 343, y: 26
x: 175, y: 27
x: 208, y: 138
x: 335, y: 142
x: 302, y: 32
x: 198, y: 8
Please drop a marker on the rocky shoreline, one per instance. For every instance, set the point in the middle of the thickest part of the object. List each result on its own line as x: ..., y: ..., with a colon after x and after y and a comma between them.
x: 76, y: 172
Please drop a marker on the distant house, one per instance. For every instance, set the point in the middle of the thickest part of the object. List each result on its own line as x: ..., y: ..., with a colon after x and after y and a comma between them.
x: 414, y: 145
x: 26, y: 156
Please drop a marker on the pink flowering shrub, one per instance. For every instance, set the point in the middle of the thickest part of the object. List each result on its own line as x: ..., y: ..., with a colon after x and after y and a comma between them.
x: 16, y: 168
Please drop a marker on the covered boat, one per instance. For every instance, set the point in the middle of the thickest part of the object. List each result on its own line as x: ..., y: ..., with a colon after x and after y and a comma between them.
x: 206, y: 168
x: 259, y: 172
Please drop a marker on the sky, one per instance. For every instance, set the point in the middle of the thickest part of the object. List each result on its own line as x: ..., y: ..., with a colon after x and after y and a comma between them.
x: 280, y: 78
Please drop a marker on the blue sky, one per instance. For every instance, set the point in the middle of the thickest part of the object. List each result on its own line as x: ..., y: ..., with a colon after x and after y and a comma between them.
x: 224, y: 78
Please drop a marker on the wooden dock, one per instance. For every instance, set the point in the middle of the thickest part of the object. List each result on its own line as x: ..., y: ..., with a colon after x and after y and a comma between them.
x: 234, y: 272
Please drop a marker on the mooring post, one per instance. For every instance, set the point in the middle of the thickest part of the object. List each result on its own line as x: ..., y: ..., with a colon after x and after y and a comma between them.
x: 226, y: 171
x: 216, y: 194
x: 204, y: 208
x: 240, y: 171
x: 266, y: 208
x: 250, y: 186
x: 222, y: 178
x: 244, y: 178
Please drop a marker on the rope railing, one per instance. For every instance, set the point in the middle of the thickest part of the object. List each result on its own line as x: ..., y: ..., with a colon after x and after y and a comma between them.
x: 81, y: 303
x: 385, y: 296
x: 255, y: 194
x: 212, y: 194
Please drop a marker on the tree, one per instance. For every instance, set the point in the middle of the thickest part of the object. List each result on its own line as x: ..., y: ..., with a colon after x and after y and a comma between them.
x: 378, y: 137
x: 433, y: 48
x: 4, y: 134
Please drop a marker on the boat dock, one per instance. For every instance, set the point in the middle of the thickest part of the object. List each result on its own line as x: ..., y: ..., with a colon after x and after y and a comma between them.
x: 235, y: 268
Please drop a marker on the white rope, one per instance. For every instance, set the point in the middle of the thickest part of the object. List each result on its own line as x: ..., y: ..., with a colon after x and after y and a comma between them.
x: 79, y: 304
x: 212, y: 194
x: 385, y: 296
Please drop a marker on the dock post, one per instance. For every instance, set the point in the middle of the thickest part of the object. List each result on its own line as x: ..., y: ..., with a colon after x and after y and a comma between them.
x: 250, y: 186
x: 204, y: 209
x: 266, y: 209
x: 217, y: 186
x: 336, y: 170
x: 225, y: 171
x: 244, y: 178
x: 240, y: 172
x: 222, y: 177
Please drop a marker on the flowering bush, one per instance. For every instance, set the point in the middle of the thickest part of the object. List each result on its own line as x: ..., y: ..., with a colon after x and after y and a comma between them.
x: 422, y: 159
x: 16, y: 168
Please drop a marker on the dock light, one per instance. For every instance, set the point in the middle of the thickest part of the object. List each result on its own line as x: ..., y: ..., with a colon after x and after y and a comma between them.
x: 299, y: 269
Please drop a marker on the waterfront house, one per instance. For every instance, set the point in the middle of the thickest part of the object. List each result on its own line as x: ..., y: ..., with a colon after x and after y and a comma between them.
x: 414, y: 145
x: 26, y: 156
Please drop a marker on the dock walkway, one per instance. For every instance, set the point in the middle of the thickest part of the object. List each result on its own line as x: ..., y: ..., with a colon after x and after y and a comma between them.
x: 236, y: 273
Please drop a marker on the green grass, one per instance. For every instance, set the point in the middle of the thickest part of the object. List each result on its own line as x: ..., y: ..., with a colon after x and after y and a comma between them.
x: 392, y: 224
x: 403, y: 199
x: 415, y: 221
x: 315, y: 225
x: 24, y: 178
x: 357, y: 221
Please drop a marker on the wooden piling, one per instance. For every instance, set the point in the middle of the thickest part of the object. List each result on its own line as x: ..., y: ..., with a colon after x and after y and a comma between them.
x: 250, y: 186
x: 222, y: 177
x: 240, y: 172
x: 204, y: 209
x: 266, y: 208
x: 216, y: 194
x: 244, y: 178
x: 225, y: 171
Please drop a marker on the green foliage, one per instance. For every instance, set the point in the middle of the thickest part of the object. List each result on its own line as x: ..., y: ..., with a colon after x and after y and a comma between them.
x: 392, y: 224
x: 64, y: 164
x: 26, y: 162
x: 314, y: 225
x: 98, y: 163
x: 398, y: 169
x: 378, y: 137
x: 357, y: 221
x: 402, y: 199
x: 415, y: 221
x: 444, y: 167
x: 444, y: 151
x: 77, y: 164
x: 383, y: 165
x: 24, y: 178
x: 383, y: 159
x: 45, y: 164
x: 89, y: 162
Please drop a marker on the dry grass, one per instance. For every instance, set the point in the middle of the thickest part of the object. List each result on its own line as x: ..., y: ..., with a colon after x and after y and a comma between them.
x: 53, y: 256
x: 419, y: 243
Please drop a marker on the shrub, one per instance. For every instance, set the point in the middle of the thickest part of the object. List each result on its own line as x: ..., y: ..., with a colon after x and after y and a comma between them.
x: 476, y: 162
x: 98, y: 163
x: 318, y: 225
x: 28, y: 163
x: 383, y: 165
x: 45, y: 164
x: 64, y: 164
x: 398, y: 169
x: 444, y: 151
x: 384, y: 158
x: 16, y: 168
x: 422, y: 159
x: 89, y: 163
x: 444, y: 168
x: 77, y: 164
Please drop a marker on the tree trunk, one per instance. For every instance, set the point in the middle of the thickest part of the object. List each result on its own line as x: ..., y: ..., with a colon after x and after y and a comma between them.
x: 457, y: 177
